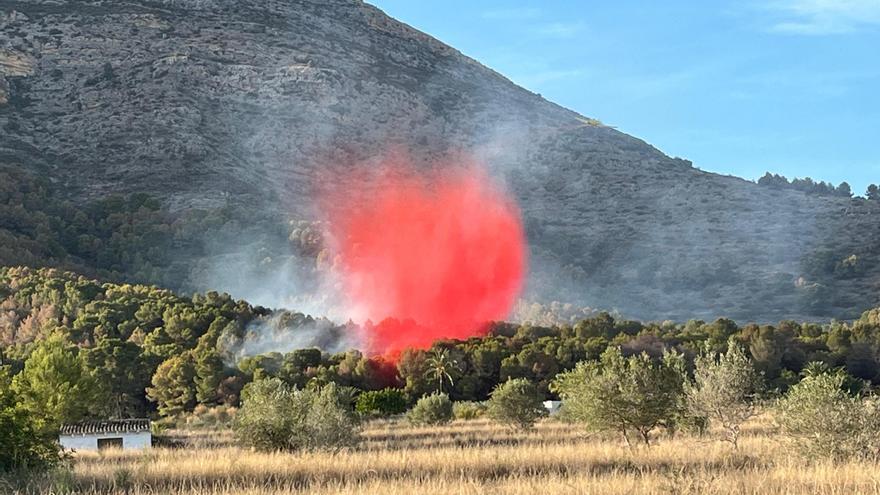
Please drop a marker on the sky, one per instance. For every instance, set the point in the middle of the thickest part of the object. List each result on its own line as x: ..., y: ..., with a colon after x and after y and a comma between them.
x: 740, y: 87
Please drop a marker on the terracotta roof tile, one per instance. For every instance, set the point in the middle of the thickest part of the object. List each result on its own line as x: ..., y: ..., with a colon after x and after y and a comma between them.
x: 109, y: 426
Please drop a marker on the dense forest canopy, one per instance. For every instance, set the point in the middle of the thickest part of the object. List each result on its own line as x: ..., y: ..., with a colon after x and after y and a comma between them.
x: 140, y: 349
x: 133, y: 238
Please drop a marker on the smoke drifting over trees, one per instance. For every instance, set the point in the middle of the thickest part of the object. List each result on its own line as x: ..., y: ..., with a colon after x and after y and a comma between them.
x: 190, y: 350
x: 305, y: 93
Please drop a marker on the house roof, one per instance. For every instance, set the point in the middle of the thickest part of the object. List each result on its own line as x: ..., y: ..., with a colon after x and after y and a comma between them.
x: 108, y: 426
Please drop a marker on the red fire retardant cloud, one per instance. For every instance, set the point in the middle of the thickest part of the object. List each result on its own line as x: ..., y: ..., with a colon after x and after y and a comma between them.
x: 429, y: 256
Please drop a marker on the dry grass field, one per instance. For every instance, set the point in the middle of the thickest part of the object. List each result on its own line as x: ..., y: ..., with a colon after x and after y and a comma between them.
x: 468, y: 458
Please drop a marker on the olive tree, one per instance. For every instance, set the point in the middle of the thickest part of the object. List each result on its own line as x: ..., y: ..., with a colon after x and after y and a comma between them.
x: 276, y: 416
x: 822, y: 419
x: 516, y: 402
x: 386, y: 402
x: 433, y: 409
x: 627, y: 395
x: 724, y: 390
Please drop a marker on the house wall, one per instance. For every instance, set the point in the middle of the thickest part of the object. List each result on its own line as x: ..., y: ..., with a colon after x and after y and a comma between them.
x: 90, y: 442
x: 552, y: 406
x: 137, y: 441
x: 79, y: 442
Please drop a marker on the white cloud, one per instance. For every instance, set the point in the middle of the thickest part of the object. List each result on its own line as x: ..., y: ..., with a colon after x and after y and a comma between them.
x: 823, y: 17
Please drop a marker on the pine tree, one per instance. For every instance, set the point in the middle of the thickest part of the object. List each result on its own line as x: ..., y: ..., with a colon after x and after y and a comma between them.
x: 55, y: 386
x: 173, y: 385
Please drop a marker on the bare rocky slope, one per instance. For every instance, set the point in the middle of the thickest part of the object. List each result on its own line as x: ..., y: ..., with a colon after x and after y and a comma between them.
x: 255, y: 103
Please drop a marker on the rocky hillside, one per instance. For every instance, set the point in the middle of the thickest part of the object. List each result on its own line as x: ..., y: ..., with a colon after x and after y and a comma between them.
x: 253, y: 105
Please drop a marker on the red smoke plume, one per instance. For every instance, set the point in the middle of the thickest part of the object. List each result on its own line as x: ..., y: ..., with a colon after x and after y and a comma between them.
x: 429, y: 255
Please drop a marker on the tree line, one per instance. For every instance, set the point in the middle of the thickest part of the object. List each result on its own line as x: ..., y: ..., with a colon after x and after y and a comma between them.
x: 811, y: 186
x: 827, y: 414
x: 73, y: 348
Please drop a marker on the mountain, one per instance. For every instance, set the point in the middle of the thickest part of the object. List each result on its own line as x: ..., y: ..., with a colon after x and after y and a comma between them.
x: 252, y: 106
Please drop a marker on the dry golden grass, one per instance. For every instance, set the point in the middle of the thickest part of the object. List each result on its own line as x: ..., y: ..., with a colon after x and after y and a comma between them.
x: 473, y: 457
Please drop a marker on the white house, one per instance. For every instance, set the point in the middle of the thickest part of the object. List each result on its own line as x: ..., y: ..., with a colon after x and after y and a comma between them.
x: 552, y: 406
x: 98, y: 435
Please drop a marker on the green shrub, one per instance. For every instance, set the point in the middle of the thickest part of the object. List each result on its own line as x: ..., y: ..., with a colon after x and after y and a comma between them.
x: 516, y: 403
x: 822, y: 419
x: 634, y: 394
x: 384, y: 402
x: 434, y: 409
x: 208, y: 417
x: 275, y: 416
x: 122, y: 480
x: 724, y: 390
x: 159, y: 427
x: 468, y: 410
x: 23, y: 447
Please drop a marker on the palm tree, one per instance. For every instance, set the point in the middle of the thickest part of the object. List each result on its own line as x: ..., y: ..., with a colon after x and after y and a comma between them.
x: 439, y: 366
x: 815, y: 369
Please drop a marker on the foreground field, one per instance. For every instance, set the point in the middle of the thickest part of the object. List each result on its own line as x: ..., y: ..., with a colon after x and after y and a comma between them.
x: 465, y: 458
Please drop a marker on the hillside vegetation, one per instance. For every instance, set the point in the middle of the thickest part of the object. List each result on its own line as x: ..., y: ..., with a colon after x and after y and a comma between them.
x: 792, y: 402
x: 149, y: 350
x: 240, y: 113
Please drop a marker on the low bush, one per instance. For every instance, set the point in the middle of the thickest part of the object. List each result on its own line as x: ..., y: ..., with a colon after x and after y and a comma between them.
x: 434, y: 409
x: 822, y: 419
x: 468, y: 410
x: 516, y: 403
x: 208, y: 417
x: 386, y: 402
x: 276, y: 416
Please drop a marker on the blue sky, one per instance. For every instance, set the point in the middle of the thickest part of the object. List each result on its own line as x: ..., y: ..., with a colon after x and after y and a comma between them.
x: 740, y: 87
